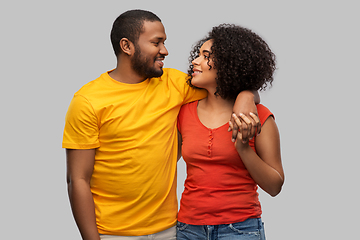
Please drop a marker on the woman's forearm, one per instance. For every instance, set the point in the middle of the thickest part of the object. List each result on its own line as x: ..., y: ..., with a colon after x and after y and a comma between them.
x: 267, y: 177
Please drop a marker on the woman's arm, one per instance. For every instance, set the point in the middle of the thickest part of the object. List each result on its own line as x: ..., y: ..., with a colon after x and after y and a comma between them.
x: 265, y: 166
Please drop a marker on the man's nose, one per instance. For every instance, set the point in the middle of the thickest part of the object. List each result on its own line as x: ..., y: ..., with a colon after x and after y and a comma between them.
x: 163, y: 50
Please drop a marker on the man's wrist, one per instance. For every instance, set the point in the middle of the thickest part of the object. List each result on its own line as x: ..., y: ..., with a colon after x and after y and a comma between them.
x: 249, y: 96
x: 247, y: 93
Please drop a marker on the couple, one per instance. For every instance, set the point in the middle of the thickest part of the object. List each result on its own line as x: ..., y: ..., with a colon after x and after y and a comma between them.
x: 121, y: 138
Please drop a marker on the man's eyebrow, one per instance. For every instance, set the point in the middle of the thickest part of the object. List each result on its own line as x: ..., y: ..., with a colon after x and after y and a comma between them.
x: 206, y: 51
x: 159, y: 38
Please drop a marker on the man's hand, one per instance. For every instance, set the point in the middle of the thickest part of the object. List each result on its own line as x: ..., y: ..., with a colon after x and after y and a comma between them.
x: 245, y: 109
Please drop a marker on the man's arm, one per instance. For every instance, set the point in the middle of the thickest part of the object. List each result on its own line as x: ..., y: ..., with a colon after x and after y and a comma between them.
x: 179, y: 145
x: 80, y: 165
x: 245, y: 109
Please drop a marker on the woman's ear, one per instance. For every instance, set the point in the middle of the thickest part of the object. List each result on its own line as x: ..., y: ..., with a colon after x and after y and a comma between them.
x: 127, y: 46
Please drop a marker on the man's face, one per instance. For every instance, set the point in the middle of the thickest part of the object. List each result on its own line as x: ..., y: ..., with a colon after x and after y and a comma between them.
x: 150, y: 50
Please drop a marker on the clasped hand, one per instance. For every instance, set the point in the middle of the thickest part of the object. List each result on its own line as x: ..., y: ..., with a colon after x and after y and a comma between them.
x: 243, y: 127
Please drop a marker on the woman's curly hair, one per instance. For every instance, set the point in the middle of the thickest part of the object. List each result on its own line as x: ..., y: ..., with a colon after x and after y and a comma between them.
x: 243, y: 60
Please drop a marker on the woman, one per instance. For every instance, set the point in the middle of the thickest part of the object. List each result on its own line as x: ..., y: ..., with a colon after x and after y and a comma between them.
x: 220, y: 199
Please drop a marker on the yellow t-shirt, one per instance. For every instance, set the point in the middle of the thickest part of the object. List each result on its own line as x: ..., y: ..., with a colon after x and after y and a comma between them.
x: 133, y: 128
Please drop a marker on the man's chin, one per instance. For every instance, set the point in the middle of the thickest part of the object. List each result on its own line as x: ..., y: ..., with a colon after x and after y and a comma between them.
x: 157, y: 73
x: 161, y: 72
x: 150, y: 72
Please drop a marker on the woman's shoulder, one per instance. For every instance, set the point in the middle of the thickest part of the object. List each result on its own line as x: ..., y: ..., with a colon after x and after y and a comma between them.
x: 263, y: 113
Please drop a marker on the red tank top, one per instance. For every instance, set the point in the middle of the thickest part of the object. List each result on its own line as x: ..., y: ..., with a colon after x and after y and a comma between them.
x: 218, y: 188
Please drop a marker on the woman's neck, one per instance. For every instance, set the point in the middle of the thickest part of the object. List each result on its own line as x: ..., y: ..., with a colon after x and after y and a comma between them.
x: 214, y: 111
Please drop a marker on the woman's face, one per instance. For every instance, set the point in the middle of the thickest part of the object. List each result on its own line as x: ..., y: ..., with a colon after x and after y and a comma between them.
x: 205, y: 74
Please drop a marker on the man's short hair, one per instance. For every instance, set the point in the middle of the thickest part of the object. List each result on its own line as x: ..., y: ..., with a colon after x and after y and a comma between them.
x: 130, y: 25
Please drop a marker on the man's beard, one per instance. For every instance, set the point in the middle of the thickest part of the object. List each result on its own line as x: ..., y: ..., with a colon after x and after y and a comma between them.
x: 141, y: 65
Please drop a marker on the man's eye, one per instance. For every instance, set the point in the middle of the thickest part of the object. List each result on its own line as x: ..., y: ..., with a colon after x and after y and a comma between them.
x: 206, y: 57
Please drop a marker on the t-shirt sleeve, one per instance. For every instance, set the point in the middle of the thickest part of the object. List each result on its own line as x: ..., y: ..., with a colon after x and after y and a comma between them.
x: 193, y: 94
x: 189, y: 94
x: 81, y: 129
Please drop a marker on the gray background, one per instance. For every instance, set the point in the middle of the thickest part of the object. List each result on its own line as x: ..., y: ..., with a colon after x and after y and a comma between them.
x: 49, y: 49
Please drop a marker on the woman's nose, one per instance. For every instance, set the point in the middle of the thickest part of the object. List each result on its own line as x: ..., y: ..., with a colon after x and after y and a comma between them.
x: 195, y: 61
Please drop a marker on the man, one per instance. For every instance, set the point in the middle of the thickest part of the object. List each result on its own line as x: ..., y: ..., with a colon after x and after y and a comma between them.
x: 121, y: 138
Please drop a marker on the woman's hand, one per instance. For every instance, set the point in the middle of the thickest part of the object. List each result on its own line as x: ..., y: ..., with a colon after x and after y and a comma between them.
x: 246, y: 128
x: 245, y: 108
x: 264, y: 165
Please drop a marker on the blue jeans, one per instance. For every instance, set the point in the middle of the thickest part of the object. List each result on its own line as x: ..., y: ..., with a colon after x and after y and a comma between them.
x: 250, y: 229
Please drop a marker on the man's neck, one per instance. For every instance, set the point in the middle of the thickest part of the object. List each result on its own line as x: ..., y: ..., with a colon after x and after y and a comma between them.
x: 126, y: 77
x: 125, y: 74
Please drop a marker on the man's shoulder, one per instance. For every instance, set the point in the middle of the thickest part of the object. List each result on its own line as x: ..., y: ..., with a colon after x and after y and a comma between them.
x: 92, y: 86
x: 172, y: 72
x: 174, y: 77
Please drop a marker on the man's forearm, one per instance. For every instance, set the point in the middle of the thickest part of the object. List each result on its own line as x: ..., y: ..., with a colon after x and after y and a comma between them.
x: 245, y: 102
x: 256, y: 97
x: 250, y: 95
x: 82, y: 205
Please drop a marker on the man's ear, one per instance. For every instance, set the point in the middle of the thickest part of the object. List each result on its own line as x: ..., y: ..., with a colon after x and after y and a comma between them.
x: 127, y: 46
